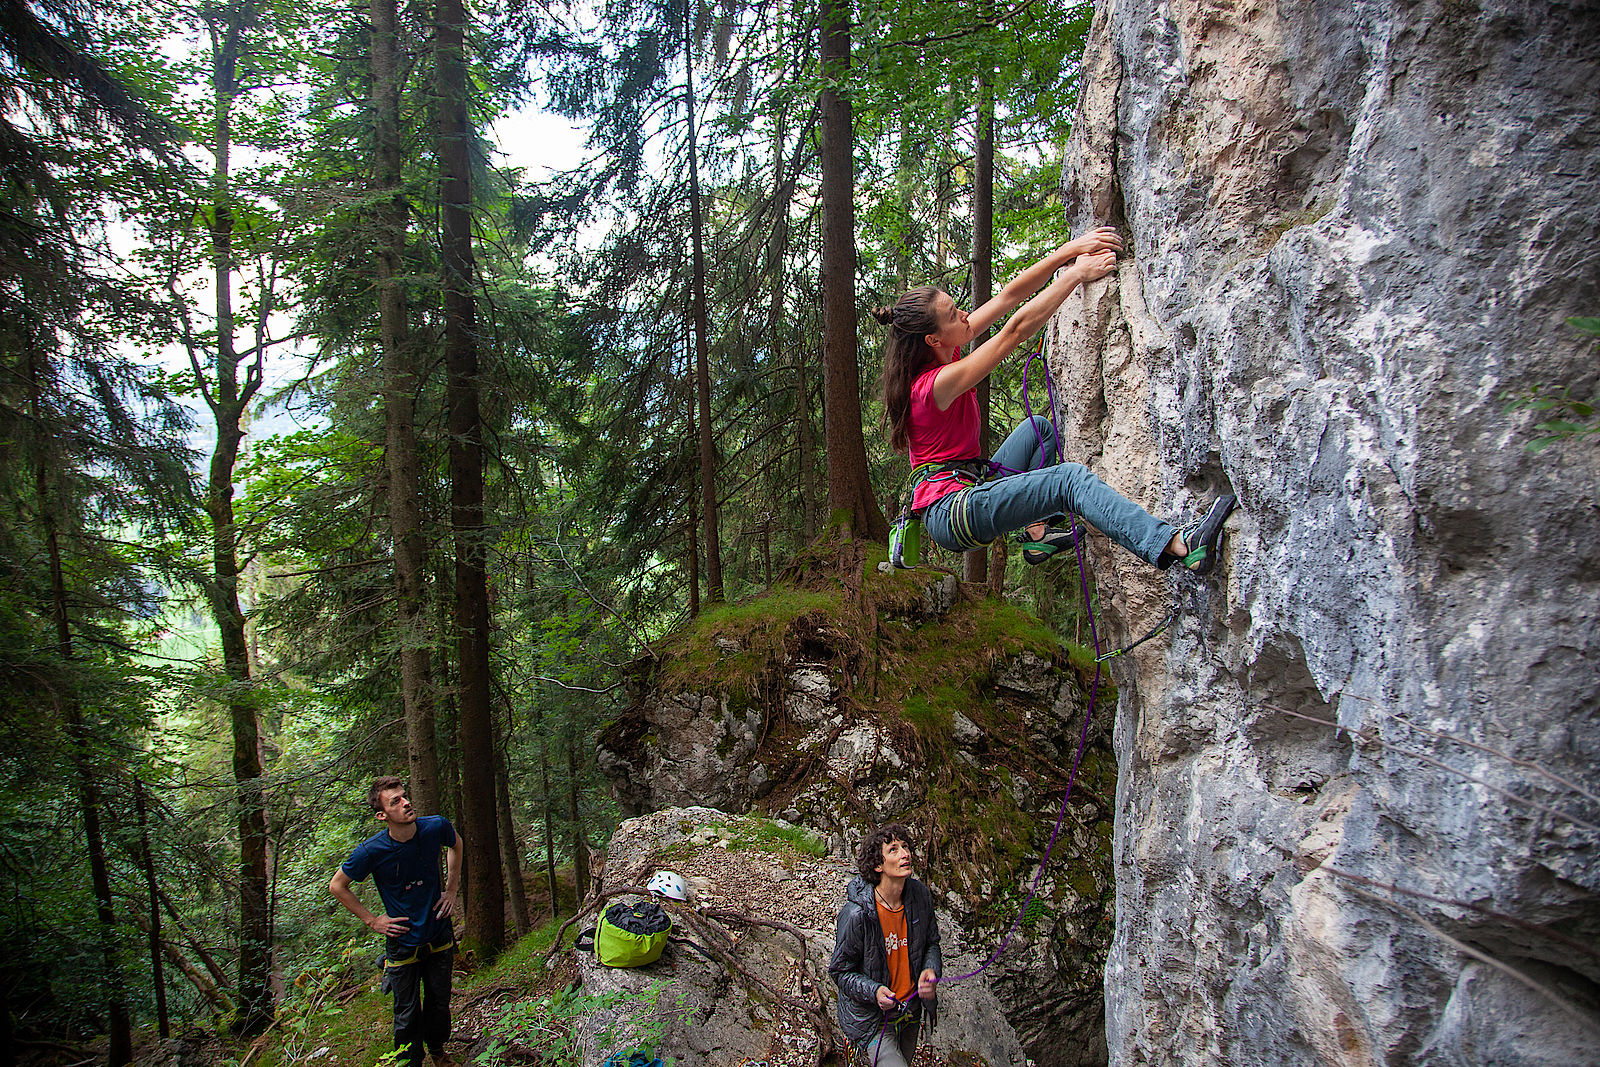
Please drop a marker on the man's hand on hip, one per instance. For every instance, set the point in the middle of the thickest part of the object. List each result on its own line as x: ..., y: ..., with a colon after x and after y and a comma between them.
x: 388, y: 925
x: 447, y: 903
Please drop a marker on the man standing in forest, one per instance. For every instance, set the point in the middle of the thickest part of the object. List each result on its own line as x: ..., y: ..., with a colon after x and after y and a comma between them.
x: 419, y: 941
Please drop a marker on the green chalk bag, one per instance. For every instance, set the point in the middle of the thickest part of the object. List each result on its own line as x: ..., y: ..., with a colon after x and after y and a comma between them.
x: 631, y: 935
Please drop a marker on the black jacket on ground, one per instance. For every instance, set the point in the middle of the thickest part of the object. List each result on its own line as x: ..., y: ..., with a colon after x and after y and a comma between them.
x: 860, y: 964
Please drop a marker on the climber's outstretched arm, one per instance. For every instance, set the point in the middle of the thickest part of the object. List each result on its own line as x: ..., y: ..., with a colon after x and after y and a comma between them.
x: 956, y: 378
x: 1033, y: 279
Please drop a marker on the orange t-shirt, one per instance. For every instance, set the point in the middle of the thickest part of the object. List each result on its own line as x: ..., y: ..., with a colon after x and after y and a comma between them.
x: 897, y: 948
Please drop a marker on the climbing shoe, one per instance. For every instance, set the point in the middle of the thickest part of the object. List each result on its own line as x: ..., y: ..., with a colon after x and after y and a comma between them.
x: 1204, y: 538
x: 1041, y: 549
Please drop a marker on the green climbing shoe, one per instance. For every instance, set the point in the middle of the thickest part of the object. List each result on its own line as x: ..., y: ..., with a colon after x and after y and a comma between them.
x: 1037, y: 550
x: 1204, y: 538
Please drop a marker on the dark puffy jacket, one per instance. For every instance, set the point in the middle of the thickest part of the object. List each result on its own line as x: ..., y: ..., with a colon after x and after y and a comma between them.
x: 860, y: 965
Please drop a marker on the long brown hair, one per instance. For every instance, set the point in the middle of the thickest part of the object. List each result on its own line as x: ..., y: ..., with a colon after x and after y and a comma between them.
x: 905, y: 355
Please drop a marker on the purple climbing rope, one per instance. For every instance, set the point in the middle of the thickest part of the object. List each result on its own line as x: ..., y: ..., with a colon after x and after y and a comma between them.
x: 1094, y: 686
x: 1088, y: 715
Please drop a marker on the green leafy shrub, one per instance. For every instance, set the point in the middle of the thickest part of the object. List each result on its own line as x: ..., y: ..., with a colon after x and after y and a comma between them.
x: 1564, y: 416
x: 547, y: 1027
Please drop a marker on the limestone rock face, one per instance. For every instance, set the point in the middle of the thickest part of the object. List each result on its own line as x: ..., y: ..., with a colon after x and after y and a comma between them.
x: 1354, y: 228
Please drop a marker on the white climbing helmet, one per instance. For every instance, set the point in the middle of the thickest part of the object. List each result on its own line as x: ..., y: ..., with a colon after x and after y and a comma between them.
x: 669, y: 885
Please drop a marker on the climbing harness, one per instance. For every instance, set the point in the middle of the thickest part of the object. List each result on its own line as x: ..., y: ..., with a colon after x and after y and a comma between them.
x: 905, y: 536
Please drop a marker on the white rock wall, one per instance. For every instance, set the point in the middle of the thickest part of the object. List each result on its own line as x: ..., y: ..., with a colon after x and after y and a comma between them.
x: 1355, y: 226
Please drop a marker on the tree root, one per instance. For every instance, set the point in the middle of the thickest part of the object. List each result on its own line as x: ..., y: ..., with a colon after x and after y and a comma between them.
x: 719, y: 944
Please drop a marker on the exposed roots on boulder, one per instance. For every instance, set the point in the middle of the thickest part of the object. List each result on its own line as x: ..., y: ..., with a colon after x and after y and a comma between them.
x: 715, y: 941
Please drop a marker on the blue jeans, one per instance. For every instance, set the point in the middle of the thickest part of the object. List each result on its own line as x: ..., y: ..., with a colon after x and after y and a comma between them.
x: 972, y: 517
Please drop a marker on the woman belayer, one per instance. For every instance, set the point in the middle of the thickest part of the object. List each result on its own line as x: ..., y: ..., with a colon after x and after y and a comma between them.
x: 931, y: 404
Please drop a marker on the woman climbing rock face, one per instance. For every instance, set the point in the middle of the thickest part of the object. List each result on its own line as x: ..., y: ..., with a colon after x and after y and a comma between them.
x: 930, y: 401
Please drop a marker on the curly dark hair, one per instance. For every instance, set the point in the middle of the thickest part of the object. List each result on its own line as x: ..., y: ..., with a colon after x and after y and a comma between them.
x: 379, y: 787
x: 869, y: 855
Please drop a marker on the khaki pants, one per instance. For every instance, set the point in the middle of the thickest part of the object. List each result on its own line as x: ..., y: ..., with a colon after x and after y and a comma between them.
x: 892, y: 1049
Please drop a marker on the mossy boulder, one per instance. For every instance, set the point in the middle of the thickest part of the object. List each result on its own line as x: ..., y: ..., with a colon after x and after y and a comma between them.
x: 845, y: 702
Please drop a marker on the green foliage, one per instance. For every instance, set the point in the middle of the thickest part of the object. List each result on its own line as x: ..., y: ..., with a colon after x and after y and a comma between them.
x: 753, y: 833
x: 1036, y: 912
x: 932, y: 711
x: 1562, y: 415
x: 304, y: 1017
x: 321, y: 1011
x: 548, y: 1026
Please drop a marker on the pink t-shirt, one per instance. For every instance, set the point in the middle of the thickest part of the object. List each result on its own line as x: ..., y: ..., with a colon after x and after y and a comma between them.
x: 940, y: 436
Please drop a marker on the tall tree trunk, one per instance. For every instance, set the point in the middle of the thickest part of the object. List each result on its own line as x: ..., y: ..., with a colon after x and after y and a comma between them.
x: 697, y: 301
x: 400, y: 386
x: 147, y: 861
x: 229, y: 397
x: 850, y: 496
x: 510, y: 861
x: 486, y: 906
x: 445, y: 716
x: 549, y: 818
x: 120, y: 1050
x: 766, y: 548
x: 120, y: 1030
x: 777, y: 270
x: 580, y: 836
x: 692, y: 530
x: 976, y: 567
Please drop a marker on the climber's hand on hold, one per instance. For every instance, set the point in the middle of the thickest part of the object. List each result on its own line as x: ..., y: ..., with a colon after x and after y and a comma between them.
x: 886, y: 999
x: 1094, y: 267
x: 1104, y: 239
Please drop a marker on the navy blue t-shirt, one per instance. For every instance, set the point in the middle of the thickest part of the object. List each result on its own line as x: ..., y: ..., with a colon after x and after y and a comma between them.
x: 407, y: 876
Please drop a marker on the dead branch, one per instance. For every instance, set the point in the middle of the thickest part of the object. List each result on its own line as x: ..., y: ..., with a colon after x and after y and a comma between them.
x: 1499, y: 916
x: 1482, y: 957
x: 829, y: 1038
x: 1425, y: 758
x: 724, y: 915
x: 213, y: 994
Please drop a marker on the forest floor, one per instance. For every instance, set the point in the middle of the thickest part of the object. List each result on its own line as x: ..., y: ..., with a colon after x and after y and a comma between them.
x: 350, y: 1025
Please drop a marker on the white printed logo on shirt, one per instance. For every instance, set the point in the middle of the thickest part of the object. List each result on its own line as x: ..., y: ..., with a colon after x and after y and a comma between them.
x: 892, y: 942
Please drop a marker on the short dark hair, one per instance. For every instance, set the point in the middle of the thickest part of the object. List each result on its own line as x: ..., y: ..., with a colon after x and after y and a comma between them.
x: 869, y: 856
x: 379, y: 787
